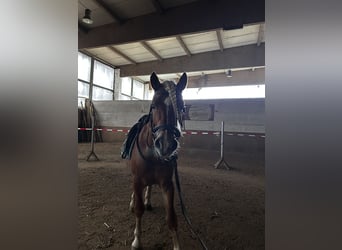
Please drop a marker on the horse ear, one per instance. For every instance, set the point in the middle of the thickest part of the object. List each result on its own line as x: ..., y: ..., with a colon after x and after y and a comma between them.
x: 181, y: 85
x: 155, y: 81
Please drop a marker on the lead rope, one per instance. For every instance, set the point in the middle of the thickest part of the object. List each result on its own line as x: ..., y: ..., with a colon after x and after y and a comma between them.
x: 184, y: 212
x: 170, y: 87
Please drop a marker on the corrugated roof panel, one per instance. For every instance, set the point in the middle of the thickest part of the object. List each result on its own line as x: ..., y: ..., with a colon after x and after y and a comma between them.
x: 204, y: 36
x: 117, y: 61
x: 240, y: 32
x: 201, y: 42
x: 203, y: 47
x: 108, y: 55
x: 171, y: 52
x: 167, y: 47
x: 136, y: 52
x: 128, y: 46
x: 143, y: 57
x: 250, y: 38
x: 99, y: 51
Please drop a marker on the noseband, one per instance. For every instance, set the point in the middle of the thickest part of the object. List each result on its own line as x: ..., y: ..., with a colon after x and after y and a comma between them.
x: 169, y: 128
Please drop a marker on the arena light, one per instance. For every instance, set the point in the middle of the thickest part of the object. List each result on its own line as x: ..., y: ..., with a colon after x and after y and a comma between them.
x: 87, y: 19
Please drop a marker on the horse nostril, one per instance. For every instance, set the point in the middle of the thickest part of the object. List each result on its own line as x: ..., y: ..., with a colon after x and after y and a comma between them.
x: 165, y: 146
x: 158, y: 143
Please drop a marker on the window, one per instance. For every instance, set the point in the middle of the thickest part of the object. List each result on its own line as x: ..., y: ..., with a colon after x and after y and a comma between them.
x: 83, y: 89
x: 84, y: 65
x: 131, y: 89
x: 84, y: 68
x: 138, y: 90
x: 126, y: 86
x: 103, y: 75
x: 102, y: 94
x: 124, y: 98
x: 102, y: 83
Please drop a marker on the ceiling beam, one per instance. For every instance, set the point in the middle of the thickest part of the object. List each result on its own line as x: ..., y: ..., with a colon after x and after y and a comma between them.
x: 241, y: 77
x: 158, y: 6
x: 115, y: 50
x: 260, y: 33
x: 139, y: 79
x: 183, y: 45
x: 110, y: 11
x: 219, y: 39
x: 238, y: 57
x: 188, y: 18
x: 152, y: 51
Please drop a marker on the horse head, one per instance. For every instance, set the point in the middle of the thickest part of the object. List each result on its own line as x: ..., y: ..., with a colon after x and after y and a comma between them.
x: 166, y: 116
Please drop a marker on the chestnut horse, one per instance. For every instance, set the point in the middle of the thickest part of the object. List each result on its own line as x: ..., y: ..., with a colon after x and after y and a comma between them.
x: 154, y: 154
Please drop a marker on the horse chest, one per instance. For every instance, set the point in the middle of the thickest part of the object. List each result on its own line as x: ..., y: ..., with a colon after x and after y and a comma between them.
x: 157, y: 174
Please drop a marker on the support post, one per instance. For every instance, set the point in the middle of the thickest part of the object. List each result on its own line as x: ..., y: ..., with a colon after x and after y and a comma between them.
x: 222, y: 161
x: 92, y: 135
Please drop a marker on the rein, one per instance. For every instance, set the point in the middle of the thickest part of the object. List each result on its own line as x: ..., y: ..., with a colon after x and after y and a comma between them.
x: 139, y: 149
x: 184, y: 212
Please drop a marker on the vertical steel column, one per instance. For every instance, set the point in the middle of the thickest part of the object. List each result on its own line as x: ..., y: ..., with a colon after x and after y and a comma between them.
x: 221, y: 161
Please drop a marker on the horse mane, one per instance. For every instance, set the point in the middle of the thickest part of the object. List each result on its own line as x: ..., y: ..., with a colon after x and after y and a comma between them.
x: 128, y: 144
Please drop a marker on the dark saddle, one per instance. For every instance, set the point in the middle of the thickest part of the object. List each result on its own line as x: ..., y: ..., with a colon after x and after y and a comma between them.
x: 127, y: 146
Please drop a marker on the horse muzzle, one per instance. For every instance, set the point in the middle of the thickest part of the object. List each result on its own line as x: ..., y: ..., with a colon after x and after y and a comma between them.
x: 166, y: 142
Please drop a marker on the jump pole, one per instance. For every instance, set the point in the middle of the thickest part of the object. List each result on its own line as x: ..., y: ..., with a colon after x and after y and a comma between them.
x: 92, y: 140
x: 222, y: 161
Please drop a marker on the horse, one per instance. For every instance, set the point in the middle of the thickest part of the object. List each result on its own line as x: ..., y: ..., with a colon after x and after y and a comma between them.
x: 154, y: 155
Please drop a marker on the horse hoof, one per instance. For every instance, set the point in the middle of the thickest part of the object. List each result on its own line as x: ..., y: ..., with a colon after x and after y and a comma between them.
x: 148, y: 207
x: 136, y: 248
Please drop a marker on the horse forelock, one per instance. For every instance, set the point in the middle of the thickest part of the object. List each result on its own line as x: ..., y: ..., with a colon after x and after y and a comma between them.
x: 170, y: 87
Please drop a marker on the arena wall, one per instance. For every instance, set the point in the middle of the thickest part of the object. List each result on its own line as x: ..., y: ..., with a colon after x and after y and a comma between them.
x: 245, y: 118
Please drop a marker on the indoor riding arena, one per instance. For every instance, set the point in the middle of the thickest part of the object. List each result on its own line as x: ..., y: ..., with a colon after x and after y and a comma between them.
x: 220, y: 45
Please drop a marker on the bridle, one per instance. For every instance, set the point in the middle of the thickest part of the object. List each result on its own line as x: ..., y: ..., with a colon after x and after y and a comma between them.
x: 170, y: 87
x: 169, y: 128
x: 172, y: 129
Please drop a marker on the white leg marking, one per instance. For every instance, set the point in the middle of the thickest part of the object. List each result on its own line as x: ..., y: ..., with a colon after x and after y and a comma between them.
x: 136, y: 244
x: 147, y: 201
x: 174, y: 233
x: 131, y: 204
x: 175, y: 240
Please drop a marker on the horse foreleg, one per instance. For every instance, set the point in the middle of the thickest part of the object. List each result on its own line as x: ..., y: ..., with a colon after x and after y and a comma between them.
x: 171, y: 218
x: 139, y: 210
x: 147, y: 201
x: 131, y: 203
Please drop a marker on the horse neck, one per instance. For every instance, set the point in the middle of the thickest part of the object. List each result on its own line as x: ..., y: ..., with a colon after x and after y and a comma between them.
x: 145, y: 137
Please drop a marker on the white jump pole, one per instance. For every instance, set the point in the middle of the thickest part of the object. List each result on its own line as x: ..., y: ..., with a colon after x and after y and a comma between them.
x: 221, y: 161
